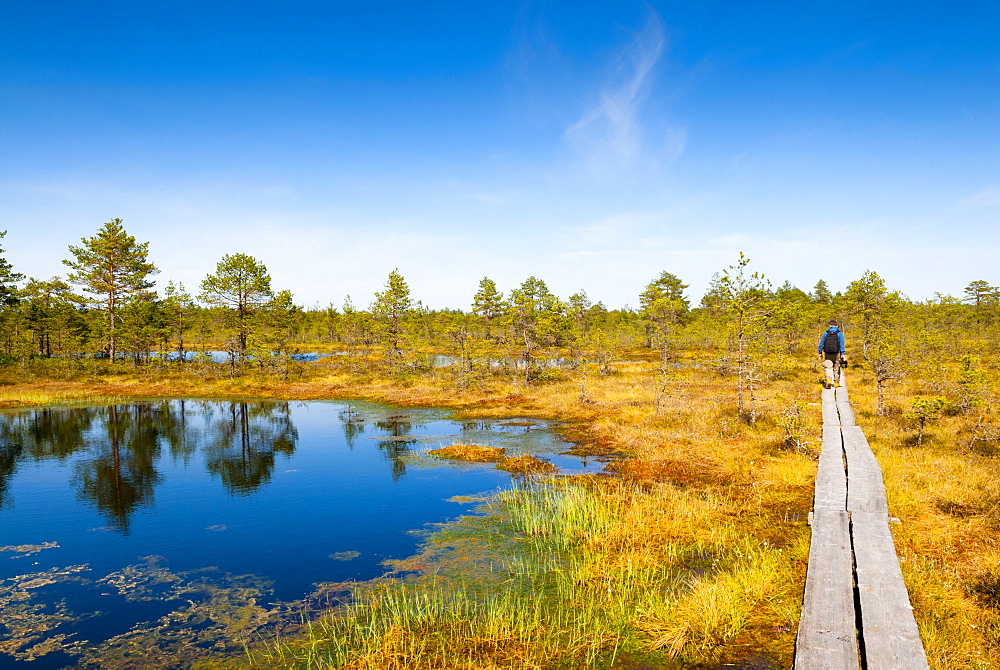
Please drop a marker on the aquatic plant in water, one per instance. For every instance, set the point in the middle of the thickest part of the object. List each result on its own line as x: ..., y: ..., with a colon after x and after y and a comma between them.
x: 29, y: 624
x: 214, y: 612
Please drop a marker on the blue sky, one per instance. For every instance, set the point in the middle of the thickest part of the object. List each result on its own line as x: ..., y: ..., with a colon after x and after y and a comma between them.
x: 591, y: 144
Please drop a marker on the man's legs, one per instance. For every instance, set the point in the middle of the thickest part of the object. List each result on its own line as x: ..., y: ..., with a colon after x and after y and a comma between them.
x: 831, y: 365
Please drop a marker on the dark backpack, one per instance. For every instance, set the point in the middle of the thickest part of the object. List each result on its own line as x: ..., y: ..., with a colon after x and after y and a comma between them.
x: 831, y: 345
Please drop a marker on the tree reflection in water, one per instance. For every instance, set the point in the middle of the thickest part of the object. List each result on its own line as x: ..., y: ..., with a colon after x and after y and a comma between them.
x: 397, y: 434
x: 39, y: 435
x: 398, y: 430
x: 245, y: 441
x: 121, y: 444
x: 120, y: 475
x: 353, y: 425
x: 10, y: 454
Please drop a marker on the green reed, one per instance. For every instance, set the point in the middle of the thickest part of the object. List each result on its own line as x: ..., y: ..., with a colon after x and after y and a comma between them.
x: 569, y: 579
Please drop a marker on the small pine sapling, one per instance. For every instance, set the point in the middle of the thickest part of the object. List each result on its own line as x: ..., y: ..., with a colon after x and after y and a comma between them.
x: 923, y: 411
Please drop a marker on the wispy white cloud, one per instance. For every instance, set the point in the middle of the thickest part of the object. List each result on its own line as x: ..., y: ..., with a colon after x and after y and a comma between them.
x: 610, y: 134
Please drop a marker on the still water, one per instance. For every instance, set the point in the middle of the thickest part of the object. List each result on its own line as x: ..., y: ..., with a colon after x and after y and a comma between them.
x: 135, y: 525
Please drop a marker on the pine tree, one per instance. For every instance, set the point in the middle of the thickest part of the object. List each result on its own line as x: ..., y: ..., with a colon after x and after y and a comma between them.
x: 537, y: 318
x: 984, y: 299
x: 664, y: 298
x: 391, y: 306
x: 877, y: 311
x: 269, y: 344
x: 821, y: 293
x: 715, y: 296
x: 979, y: 292
x: 663, y: 306
x: 112, y: 265
x: 8, y: 299
x: 793, y: 311
x: 487, y: 303
x: 351, y: 329
x: 46, y: 307
x: 241, y: 283
x: 873, y: 307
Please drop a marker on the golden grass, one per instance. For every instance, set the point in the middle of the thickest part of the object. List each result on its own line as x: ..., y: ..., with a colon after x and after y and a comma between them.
x: 473, y: 453
x: 55, y: 395
x: 588, y: 573
x: 694, y: 552
x: 721, y: 502
x: 525, y: 464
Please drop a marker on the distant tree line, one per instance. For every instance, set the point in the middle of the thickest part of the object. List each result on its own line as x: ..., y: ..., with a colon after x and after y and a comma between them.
x: 107, y: 308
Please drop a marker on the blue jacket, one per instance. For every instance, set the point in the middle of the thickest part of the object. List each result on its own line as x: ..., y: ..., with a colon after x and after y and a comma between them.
x: 840, y: 338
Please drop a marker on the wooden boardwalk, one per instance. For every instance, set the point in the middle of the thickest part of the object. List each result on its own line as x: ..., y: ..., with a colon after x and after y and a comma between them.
x: 856, y: 612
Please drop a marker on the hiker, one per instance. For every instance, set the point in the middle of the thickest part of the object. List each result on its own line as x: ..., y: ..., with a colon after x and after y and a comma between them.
x: 831, y: 348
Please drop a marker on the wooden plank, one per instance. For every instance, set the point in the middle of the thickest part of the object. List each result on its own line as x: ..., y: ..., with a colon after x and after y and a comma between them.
x: 830, y: 415
x: 843, y: 402
x: 856, y: 444
x: 827, y: 634
x: 848, y: 545
x: 831, y: 474
x: 865, y: 488
x: 840, y: 392
x: 845, y: 411
x: 831, y: 485
x: 842, y: 389
x: 890, y: 634
x: 846, y: 414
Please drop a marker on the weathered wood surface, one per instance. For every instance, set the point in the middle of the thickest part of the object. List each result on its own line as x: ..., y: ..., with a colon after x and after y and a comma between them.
x: 890, y: 634
x: 827, y: 635
x: 865, y: 487
x: 850, y: 490
x: 845, y: 411
x: 843, y: 403
x: 831, y: 482
x: 830, y: 415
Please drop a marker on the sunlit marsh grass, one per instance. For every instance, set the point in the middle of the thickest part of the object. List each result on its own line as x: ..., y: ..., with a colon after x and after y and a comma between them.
x: 693, y: 551
x: 570, y: 574
x: 15, y: 398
